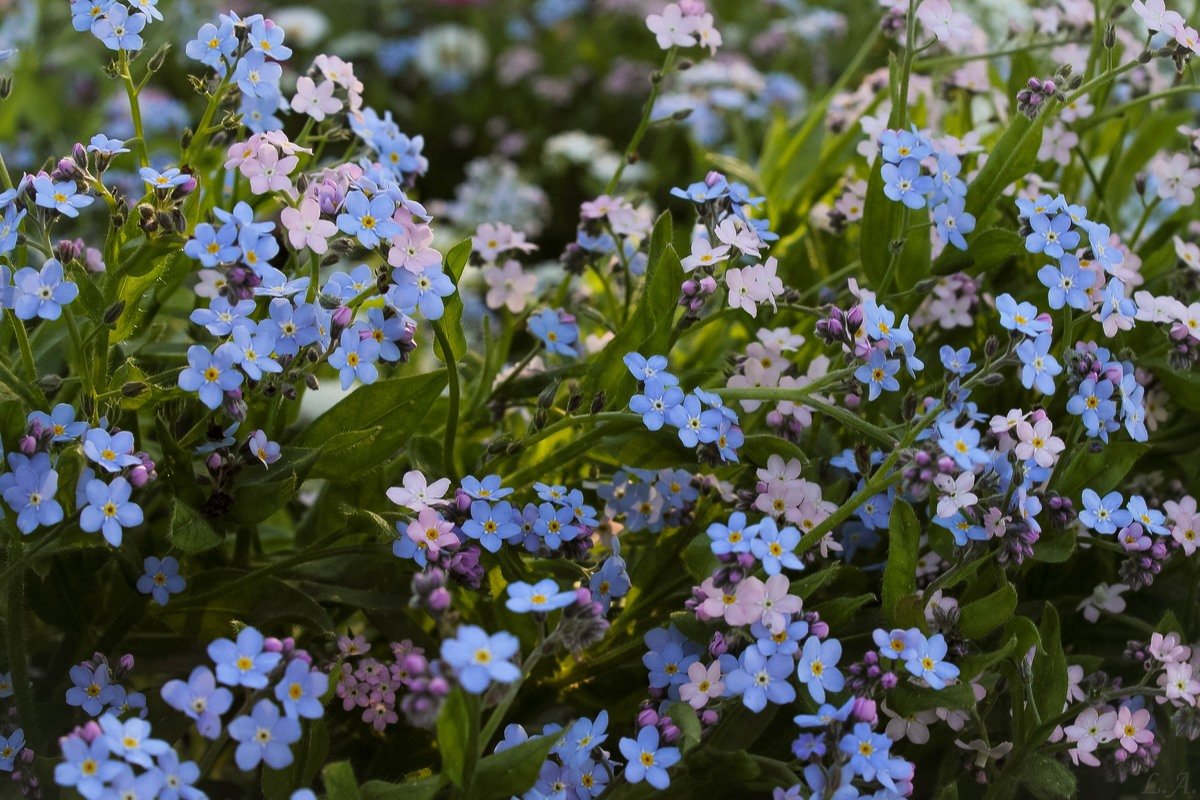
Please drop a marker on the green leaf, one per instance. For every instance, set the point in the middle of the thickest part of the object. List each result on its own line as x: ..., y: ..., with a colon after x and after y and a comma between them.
x: 986, y: 614
x: 340, y: 783
x: 900, y: 572
x: 1102, y: 472
x: 512, y: 771
x: 908, y: 699
x: 421, y: 789
x: 189, y: 532
x: 1047, y: 778
x: 454, y: 734
x: 685, y: 718
x: 1013, y: 156
x: 881, y: 217
x: 648, y: 330
x: 1050, y: 666
x: 451, y: 321
x: 987, y: 250
x: 398, y: 405
x: 308, y: 756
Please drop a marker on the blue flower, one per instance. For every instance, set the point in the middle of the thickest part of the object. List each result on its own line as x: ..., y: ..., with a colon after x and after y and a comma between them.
x: 760, y: 679
x: 212, y: 44
x: 644, y: 368
x: 179, y: 778
x: 868, y: 751
x: 86, y: 766
x: 1021, y: 316
x: 956, y: 362
x: 10, y: 748
x: 735, y: 536
x: 786, y: 641
x: 165, y: 180
x: 42, y: 293
x: 368, y: 219
x: 700, y: 192
x: 113, y: 451
x: 541, y: 597
x: 60, y: 423
x: 479, y: 659
x: 423, y: 290
x: 292, y: 326
x: 109, y: 509
x: 221, y: 317
x: 268, y: 40
x: 252, y: 351
x: 926, y: 662
x: 85, y: 12
x: 104, y: 146
x: 899, y: 145
x: 491, y: 524
x: 1092, y: 403
x: 611, y: 580
x: 656, y: 400
x: 355, y: 358
x: 904, y: 183
x: 879, y: 373
x: 1068, y: 283
x: 273, y: 282
x: 10, y: 228
x: 200, y: 699
x: 124, y: 702
x: 490, y: 488
x: 31, y: 494
x: 1038, y: 366
x: 826, y: 715
x: 130, y: 739
x: 92, y: 689
x: 161, y: 579
x: 212, y: 246
x: 1108, y: 256
x: 1051, y: 235
x: 948, y: 180
x: 582, y: 738
x: 258, y: 77
x: 775, y: 547
x: 210, y: 374
x: 646, y: 761
x: 243, y: 663
x: 897, y: 643
x: 1149, y: 518
x: 1104, y: 515
x: 118, y: 29
x: 556, y: 334
x: 264, y: 736
x: 817, y: 669
x: 961, y: 444
x: 669, y: 654
x: 300, y: 690
x: 555, y: 525
x: 695, y: 425
x: 953, y: 222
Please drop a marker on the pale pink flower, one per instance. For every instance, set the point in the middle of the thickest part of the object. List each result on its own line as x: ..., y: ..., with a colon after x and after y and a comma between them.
x: 432, y: 533
x: 1179, y: 684
x: 745, y: 290
x: 1167, y: 649
x: 914, y: 727
x: 412, y: 249
x: 335, y: 69
x: 1156, y: 15
x: 704, y: 255
x: 941, y: 20
x: 1130, y: 728
x: 704, y: 684
x: 1177, y: 179
x: 672, y: 28
x: 315, y: 99
x: 955, y: 493
x: 1103, y: 598
x: 306, y: 228
x: 417, y: 492
x: 1036, y: 442
x: 1090, y: 730
x: 268, y: 172
x: 720, y: 602
x: 509, y: 286
x: 707, y: 34
x: 768, y: 603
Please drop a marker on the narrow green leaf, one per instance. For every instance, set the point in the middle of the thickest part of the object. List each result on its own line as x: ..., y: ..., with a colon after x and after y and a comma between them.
x: 900, y: 572
x: 1050, y: 666
x: 340, y: 783
x: 986, y: 614
x: 453, y: 735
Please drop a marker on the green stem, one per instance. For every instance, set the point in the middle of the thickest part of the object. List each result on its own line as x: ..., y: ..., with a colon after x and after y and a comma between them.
x: 452, y: 408
x: 135, y: 111
x: 644, y: 125
x: 510, y: 694
x: 26, y: 349
x: 16, y: 638
x: 81, y: 352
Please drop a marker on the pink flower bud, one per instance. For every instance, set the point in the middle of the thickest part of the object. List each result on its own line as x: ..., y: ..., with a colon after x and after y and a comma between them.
x: 647, y: 717
x: 864, y: 710
x: 272, y: 645
x: 439, y: 599
x: 28, y: 445
x: 342, y: 316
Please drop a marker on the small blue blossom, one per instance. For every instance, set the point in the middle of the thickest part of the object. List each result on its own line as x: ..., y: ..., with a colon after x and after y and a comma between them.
x: 212, y: 246
x: 655, y: 402
x: 897, y: 146
x: 734, y: 536
x: 558, y: 335
x: 1151, y: 519
x: 1068, y: 283
x: 60, y: 423
x: 1022, y: 317
x: 87, y: 766
x: 104, y: 146
x: 92, y: 689
x: 213, y: 45
x: 300, y: 690
x: 479, y: 659
x: 112, y: 451
x: 775, y: 547
x: 221, y: 316
x: 1038, y: 366
x: 161, y: 579
x: 30, y: 492
x: 423, y: 290
x: 264, y: 736
x: 926, y: 662
x: 130, y: 739
x: 200, y: 699
x: 956, y: 362
x: 760, y: 679
x: 491, y: 524
x: 646, y: 760
x: 817, y: 669
x: 109, y: 509
x: 368, y: 219
x: 244, y: 662
x: 1104, y: 514
x: 10, y: 749
x: 696, y: 425
x: 541, y: 597
x: 490, y: 488
x: 355, y: 358
x: 1093, y: 404
x: 118, y: 29
x: 42, y: 293
x: 210, y: 374
x: 1051, y: 235
x: 166, y: 180
x: 905, y: 183
x: 258, y: 77
x: 879, y: 373
x: 644, y: 369
x: 953, y: 222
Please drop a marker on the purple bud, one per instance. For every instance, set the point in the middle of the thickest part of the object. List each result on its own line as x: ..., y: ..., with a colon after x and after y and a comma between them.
x: 864, y: 710
x: 647, y: 717
x: 888, y: 680
x: 28, y: 445
x: 342, y: 316
x: 272, y: 645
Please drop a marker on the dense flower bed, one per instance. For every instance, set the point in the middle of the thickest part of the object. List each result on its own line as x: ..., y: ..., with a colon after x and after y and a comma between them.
x: 865, y: 469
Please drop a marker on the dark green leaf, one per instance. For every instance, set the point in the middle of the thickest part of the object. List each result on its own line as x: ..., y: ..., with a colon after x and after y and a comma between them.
x: 189, y: 532
x: 512, y: 771
x: 340, y: 783
x: 421, y: 789
x: 451, y: 321
x: 988, y: 613
x: 1047, y: 778
x: 900, y: 572
x: 1050, y: 666
x: 453, y: 735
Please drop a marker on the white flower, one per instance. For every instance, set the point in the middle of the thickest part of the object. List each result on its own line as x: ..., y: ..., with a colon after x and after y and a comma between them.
x: 416, y: 493
x: 1103, y: 598
x: 956, y: 493
x: 672, y: 28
